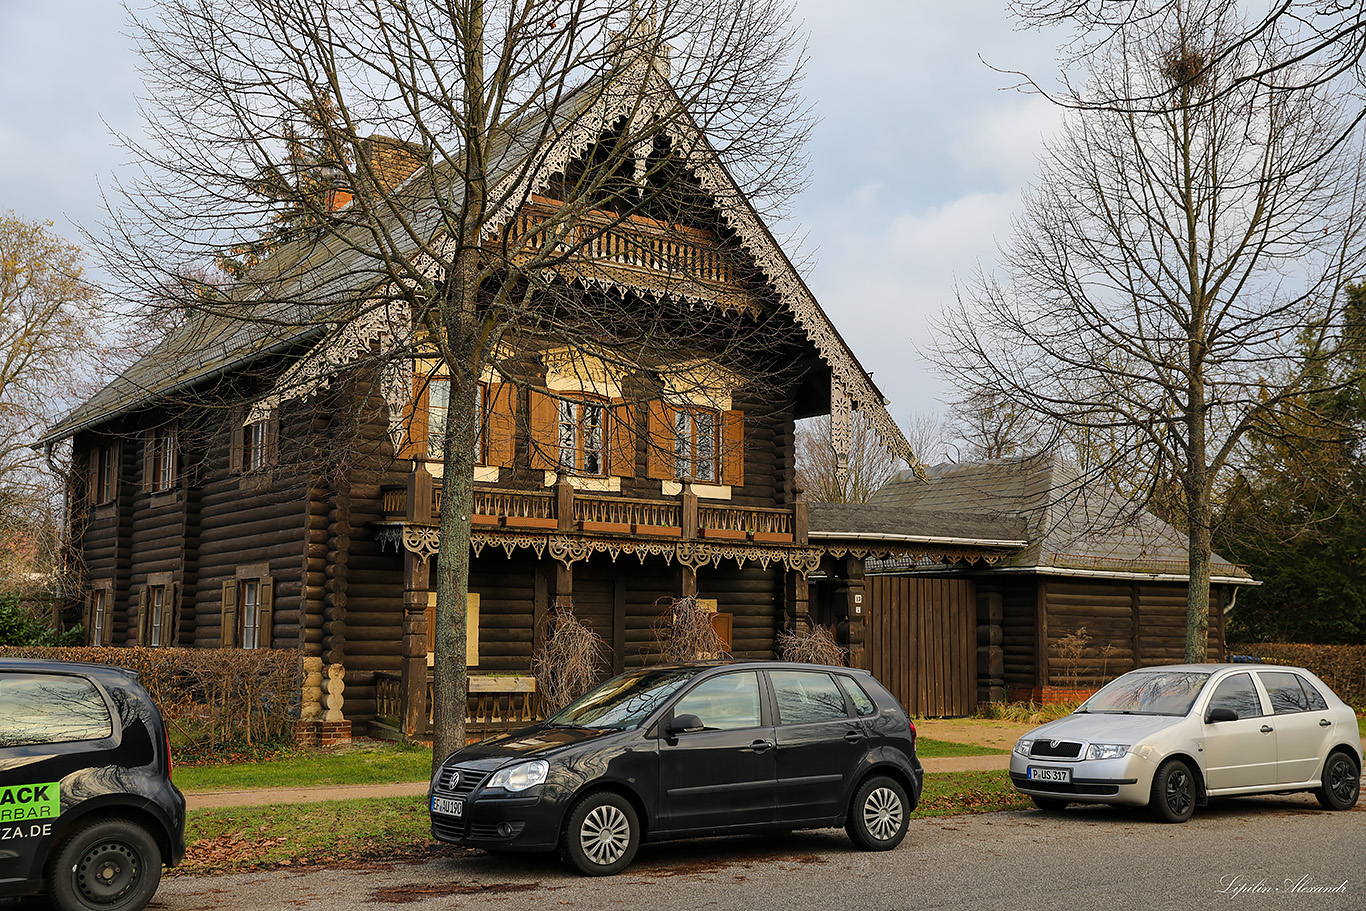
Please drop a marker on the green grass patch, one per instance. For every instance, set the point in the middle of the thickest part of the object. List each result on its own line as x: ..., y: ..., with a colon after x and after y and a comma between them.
x: 926, y: 748
x: 382, y: 763
x: 950, y: 793
x: 305, y: 833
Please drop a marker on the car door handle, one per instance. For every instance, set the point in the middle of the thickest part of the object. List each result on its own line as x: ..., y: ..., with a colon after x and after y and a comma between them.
x: 853, y: 736
x: 1324, y: 723
x: 760, y: 746
x: 1267, y: 729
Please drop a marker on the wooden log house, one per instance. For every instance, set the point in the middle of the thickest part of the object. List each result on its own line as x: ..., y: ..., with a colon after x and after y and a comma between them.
x: 220, y: 500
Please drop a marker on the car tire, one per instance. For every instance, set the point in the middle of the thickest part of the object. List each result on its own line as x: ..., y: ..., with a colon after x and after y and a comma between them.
x: 1173, y: 794
x: 878, y: 817
x: 1049, y: 804
x: 1341, y: 782
x: 106, y: 865
x: 602, y: 834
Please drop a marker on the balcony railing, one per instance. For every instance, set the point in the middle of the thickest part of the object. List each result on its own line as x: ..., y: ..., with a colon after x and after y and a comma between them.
x: 632, y: 243
x: 565, y: 510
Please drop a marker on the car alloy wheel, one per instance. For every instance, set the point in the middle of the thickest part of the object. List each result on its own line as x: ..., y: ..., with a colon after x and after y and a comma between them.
x: 603, y: 834
x: 1173, y: 793
x: 877, y: 815
x: 1341, y: 783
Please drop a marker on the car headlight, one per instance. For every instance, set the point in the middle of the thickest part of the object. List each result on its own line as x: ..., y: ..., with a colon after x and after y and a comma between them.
x: 1023, y: 746
x: 1107, y: 751
x: 520, y: 777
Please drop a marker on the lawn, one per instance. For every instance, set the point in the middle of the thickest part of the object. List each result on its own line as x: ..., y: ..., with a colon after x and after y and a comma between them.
x: 926, y: 748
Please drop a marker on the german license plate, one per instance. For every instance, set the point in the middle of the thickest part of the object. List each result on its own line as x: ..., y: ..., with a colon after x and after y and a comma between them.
x: 447, y: 806
x: 1063, y: 775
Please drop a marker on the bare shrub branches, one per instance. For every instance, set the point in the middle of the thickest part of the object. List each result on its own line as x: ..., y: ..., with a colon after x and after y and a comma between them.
x: 684, y: 632
x: 568, y: 662
x: 819, y: 646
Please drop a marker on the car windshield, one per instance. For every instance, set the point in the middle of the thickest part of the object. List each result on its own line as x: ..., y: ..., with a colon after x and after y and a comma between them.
x: 624, y: 701
x: 1148, y: 693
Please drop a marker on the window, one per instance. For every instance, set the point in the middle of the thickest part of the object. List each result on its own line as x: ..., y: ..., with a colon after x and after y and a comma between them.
x: 156, y: 605
x: 807, y: 696
x: 50, y: 708
x: 248, y: 610
x: 863, y: 704
x: 99, y: 620
x: 696, y: 445
x: 582, y: 437
x: 438, y: 409
x: 104, y: 473
x: 726, y: 703
x: 1290, y: 693
x: 158, y: 463
x: 1237, y: 693
x: 254, y: 446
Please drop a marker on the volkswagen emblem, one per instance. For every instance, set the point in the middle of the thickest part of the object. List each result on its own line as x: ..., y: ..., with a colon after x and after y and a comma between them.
x: 455, y: 778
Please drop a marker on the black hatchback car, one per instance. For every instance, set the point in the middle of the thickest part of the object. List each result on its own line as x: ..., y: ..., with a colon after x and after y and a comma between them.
x: 88, y: 813
x: 686, y: 750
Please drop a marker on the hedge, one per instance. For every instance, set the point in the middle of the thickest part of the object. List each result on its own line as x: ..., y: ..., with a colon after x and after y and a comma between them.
x: 1343, y: 667
x: 211, y: 696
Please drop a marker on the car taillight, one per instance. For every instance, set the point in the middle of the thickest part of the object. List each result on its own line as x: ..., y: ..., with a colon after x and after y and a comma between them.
x: 911, y: 724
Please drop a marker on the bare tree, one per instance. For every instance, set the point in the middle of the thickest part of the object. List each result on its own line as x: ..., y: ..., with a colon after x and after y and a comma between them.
x: 993, y: 426
x: 444, y: 179
x: 870, y: 464
x: 51, y: 336
x: 1177, y: 276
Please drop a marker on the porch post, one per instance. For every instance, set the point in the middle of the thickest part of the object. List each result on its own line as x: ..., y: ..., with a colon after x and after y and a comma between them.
x: 851, y: 608
x: 413, y: 683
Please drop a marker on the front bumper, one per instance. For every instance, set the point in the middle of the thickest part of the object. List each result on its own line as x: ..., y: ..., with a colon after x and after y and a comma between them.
x: 526, y: 822
x: 1127, y: 780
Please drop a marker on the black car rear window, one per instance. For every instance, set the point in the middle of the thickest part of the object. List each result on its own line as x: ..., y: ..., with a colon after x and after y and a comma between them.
x: 50, y: 708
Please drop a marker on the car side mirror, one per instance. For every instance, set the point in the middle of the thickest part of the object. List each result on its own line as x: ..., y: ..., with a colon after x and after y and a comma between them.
x: 684, y: 724
x: 1215, y: 715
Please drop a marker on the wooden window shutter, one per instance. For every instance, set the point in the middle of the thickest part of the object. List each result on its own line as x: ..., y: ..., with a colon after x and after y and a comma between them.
x: 501, y: 426
x: 108, y: 636
x: 265, y: 613
x: 622, y: 439
x: 147, y: 480
x: 659, y: 456
x: 228, y: 634
x: 733, y: 448
x: 236, y: 441
x: 273, y: 437
x: 545, y: 439
x: 416, y: 447
x: 92, y: 495
x: 170, y: 609
x: 144, y: 615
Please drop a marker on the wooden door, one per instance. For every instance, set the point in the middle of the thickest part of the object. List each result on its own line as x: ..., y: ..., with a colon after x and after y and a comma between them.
x: 921, y: 642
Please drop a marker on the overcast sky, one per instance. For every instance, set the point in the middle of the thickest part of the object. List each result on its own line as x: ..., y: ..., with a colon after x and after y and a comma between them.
x: 917, y: 162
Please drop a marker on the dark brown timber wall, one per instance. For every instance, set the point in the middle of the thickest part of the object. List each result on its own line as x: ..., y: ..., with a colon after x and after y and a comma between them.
x: 922, y: 642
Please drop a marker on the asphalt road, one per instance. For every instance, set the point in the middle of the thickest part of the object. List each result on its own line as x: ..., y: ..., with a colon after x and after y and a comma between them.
x: 1257, y: 853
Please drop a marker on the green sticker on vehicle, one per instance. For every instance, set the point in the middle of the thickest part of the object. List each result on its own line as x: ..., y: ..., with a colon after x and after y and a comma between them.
x: 30, y: 801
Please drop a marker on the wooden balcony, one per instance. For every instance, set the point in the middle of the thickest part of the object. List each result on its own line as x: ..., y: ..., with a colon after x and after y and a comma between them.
x: 634, y: 250
x: 564, y: 510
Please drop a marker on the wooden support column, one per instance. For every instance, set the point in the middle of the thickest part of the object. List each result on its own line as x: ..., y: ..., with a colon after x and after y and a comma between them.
x: 413, y: 684
x: 849, y: 603
x: 564, y: 505
x: 685, y: 582
x: 564, y: 585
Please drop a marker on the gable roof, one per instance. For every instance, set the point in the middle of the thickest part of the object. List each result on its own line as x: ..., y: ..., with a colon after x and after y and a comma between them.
x: 316, y: 280
x: 1073, y: 525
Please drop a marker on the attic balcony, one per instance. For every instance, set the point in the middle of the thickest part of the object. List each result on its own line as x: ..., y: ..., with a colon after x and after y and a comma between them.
x: 563, y: 510
x: 632, y: 251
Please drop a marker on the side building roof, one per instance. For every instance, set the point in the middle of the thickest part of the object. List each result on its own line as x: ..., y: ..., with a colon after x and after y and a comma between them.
x: 1071, y: 525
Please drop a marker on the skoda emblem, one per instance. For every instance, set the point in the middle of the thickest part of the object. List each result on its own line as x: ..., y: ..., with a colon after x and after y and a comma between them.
x: 1054, y: 743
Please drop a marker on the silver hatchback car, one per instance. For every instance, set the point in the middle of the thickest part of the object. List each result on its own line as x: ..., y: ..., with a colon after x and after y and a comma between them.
x: 1175, y: 736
